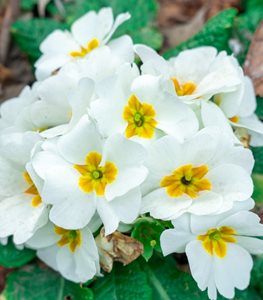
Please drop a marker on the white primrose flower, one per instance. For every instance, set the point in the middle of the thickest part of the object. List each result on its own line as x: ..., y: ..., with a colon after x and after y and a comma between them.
x: 86, y: 174
x: 51, y: 108
x: 136, y: 107
x: 87, y: 33
x: 218, y: 249
x: 22, y: 211
x: 204, y: 175
x: 102, y: 63
x: 236, y: 110
x: 195, y: 74
x: 73, y: 253
x: 4, y: 241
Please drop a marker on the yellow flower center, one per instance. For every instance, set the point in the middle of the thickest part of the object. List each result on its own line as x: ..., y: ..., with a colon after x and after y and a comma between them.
x: 140, y: 119
x: 95, y: 177
x: 187, y: 88
x: 93, y: 44
x: 72, y: 238
x: 234, y: 119
x: 186, y: 180
x: 215, y: 240
x: 32, y: 190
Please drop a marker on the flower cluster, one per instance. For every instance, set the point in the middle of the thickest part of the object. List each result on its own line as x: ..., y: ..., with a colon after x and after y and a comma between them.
x: 97, y: 141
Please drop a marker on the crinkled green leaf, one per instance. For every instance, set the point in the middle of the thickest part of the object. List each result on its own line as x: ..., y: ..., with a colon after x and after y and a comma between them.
x: 245, y: 25
x: 41, y: 283
x: 11, y: 257
x: 216, y: 32
x: 259, y: 110
x: 168, y: 282
x: 258, y: 187
x: 28, y: 34
x: 28, y: 4
x: 258, y: 155
x: 148, y: 231
x: 123, y: 283
x: 141, y: 27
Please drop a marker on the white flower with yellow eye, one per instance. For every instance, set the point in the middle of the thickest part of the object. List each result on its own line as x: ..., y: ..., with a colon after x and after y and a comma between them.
x: 87, y: 174
x: 218, y: 249
x: 51, y: 108
x: 73, y: 253
x: 137, y: 108
x: 237, y: 110
x: 22, y: 211
x: 89, y: 32
x: 195, y: 74
x: 204, y: 175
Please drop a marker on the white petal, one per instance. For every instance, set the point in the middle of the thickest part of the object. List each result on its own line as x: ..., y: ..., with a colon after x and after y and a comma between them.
x: 174, y: 241
x: 231, y: 181
x: 108, y: 216
x: 80, y: 141
x: 175, y: 118
x: 233, y: 270
x: 252, y: 245
x: 161, y: 206
x: 123, y: 48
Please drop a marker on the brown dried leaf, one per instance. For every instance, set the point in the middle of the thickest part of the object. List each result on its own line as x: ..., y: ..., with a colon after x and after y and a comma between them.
x: 253, y: 66
x: 179, y: 11
x: 214, y: 7
x: 5, y: 74
x: 117, y: 247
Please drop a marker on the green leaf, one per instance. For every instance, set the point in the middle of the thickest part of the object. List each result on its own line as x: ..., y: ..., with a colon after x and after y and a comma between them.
x: 168, y: 282
x: 259, y: 110
x: 246, y: 24
x: 148, y: 231
x: 216, y: 32
x: 11, y: 257
x: 28, y: 34
x: 40, y: 283
x: 257, y: 275
x: 258, y: 156
x: 123, y: 283
x: 140, y: 27
x: 28, y: 5
x: 258, y: 187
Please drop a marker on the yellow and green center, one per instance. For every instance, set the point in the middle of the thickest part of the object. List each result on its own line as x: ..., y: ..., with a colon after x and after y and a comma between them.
x: 215, y: 240
x: 140, y: 118
x: 94, y: 177
x: 71, y: 238
x: 186, y: 180
x: 185, y: 89
x: 32, y: 190
x: 93, y: 44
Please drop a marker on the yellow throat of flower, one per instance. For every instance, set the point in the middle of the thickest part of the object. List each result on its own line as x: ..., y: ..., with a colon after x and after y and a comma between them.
x: 140, y: 118
x: 185, y: 89
x: 215, y: 240
x: 95, y: 177
x: 71, y: 238
x: 93, y: 44
x: 32, y: 190
x: 186, y: 180
x: 234, y: 119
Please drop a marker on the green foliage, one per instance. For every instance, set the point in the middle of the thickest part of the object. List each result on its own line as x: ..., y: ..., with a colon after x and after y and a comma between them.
x: 28, y: 4
x: 148, y: 231
x: 246, y: 24
x: 258, y: 187
x: 258, y: 155
x: 140, y: 27
x: 28, y: 34
x: 259, y: 110
x: 11, y: 257
x: 257, y: 275
x: 123, y: 283
x: 216, y: 32
x: 39, y: 283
